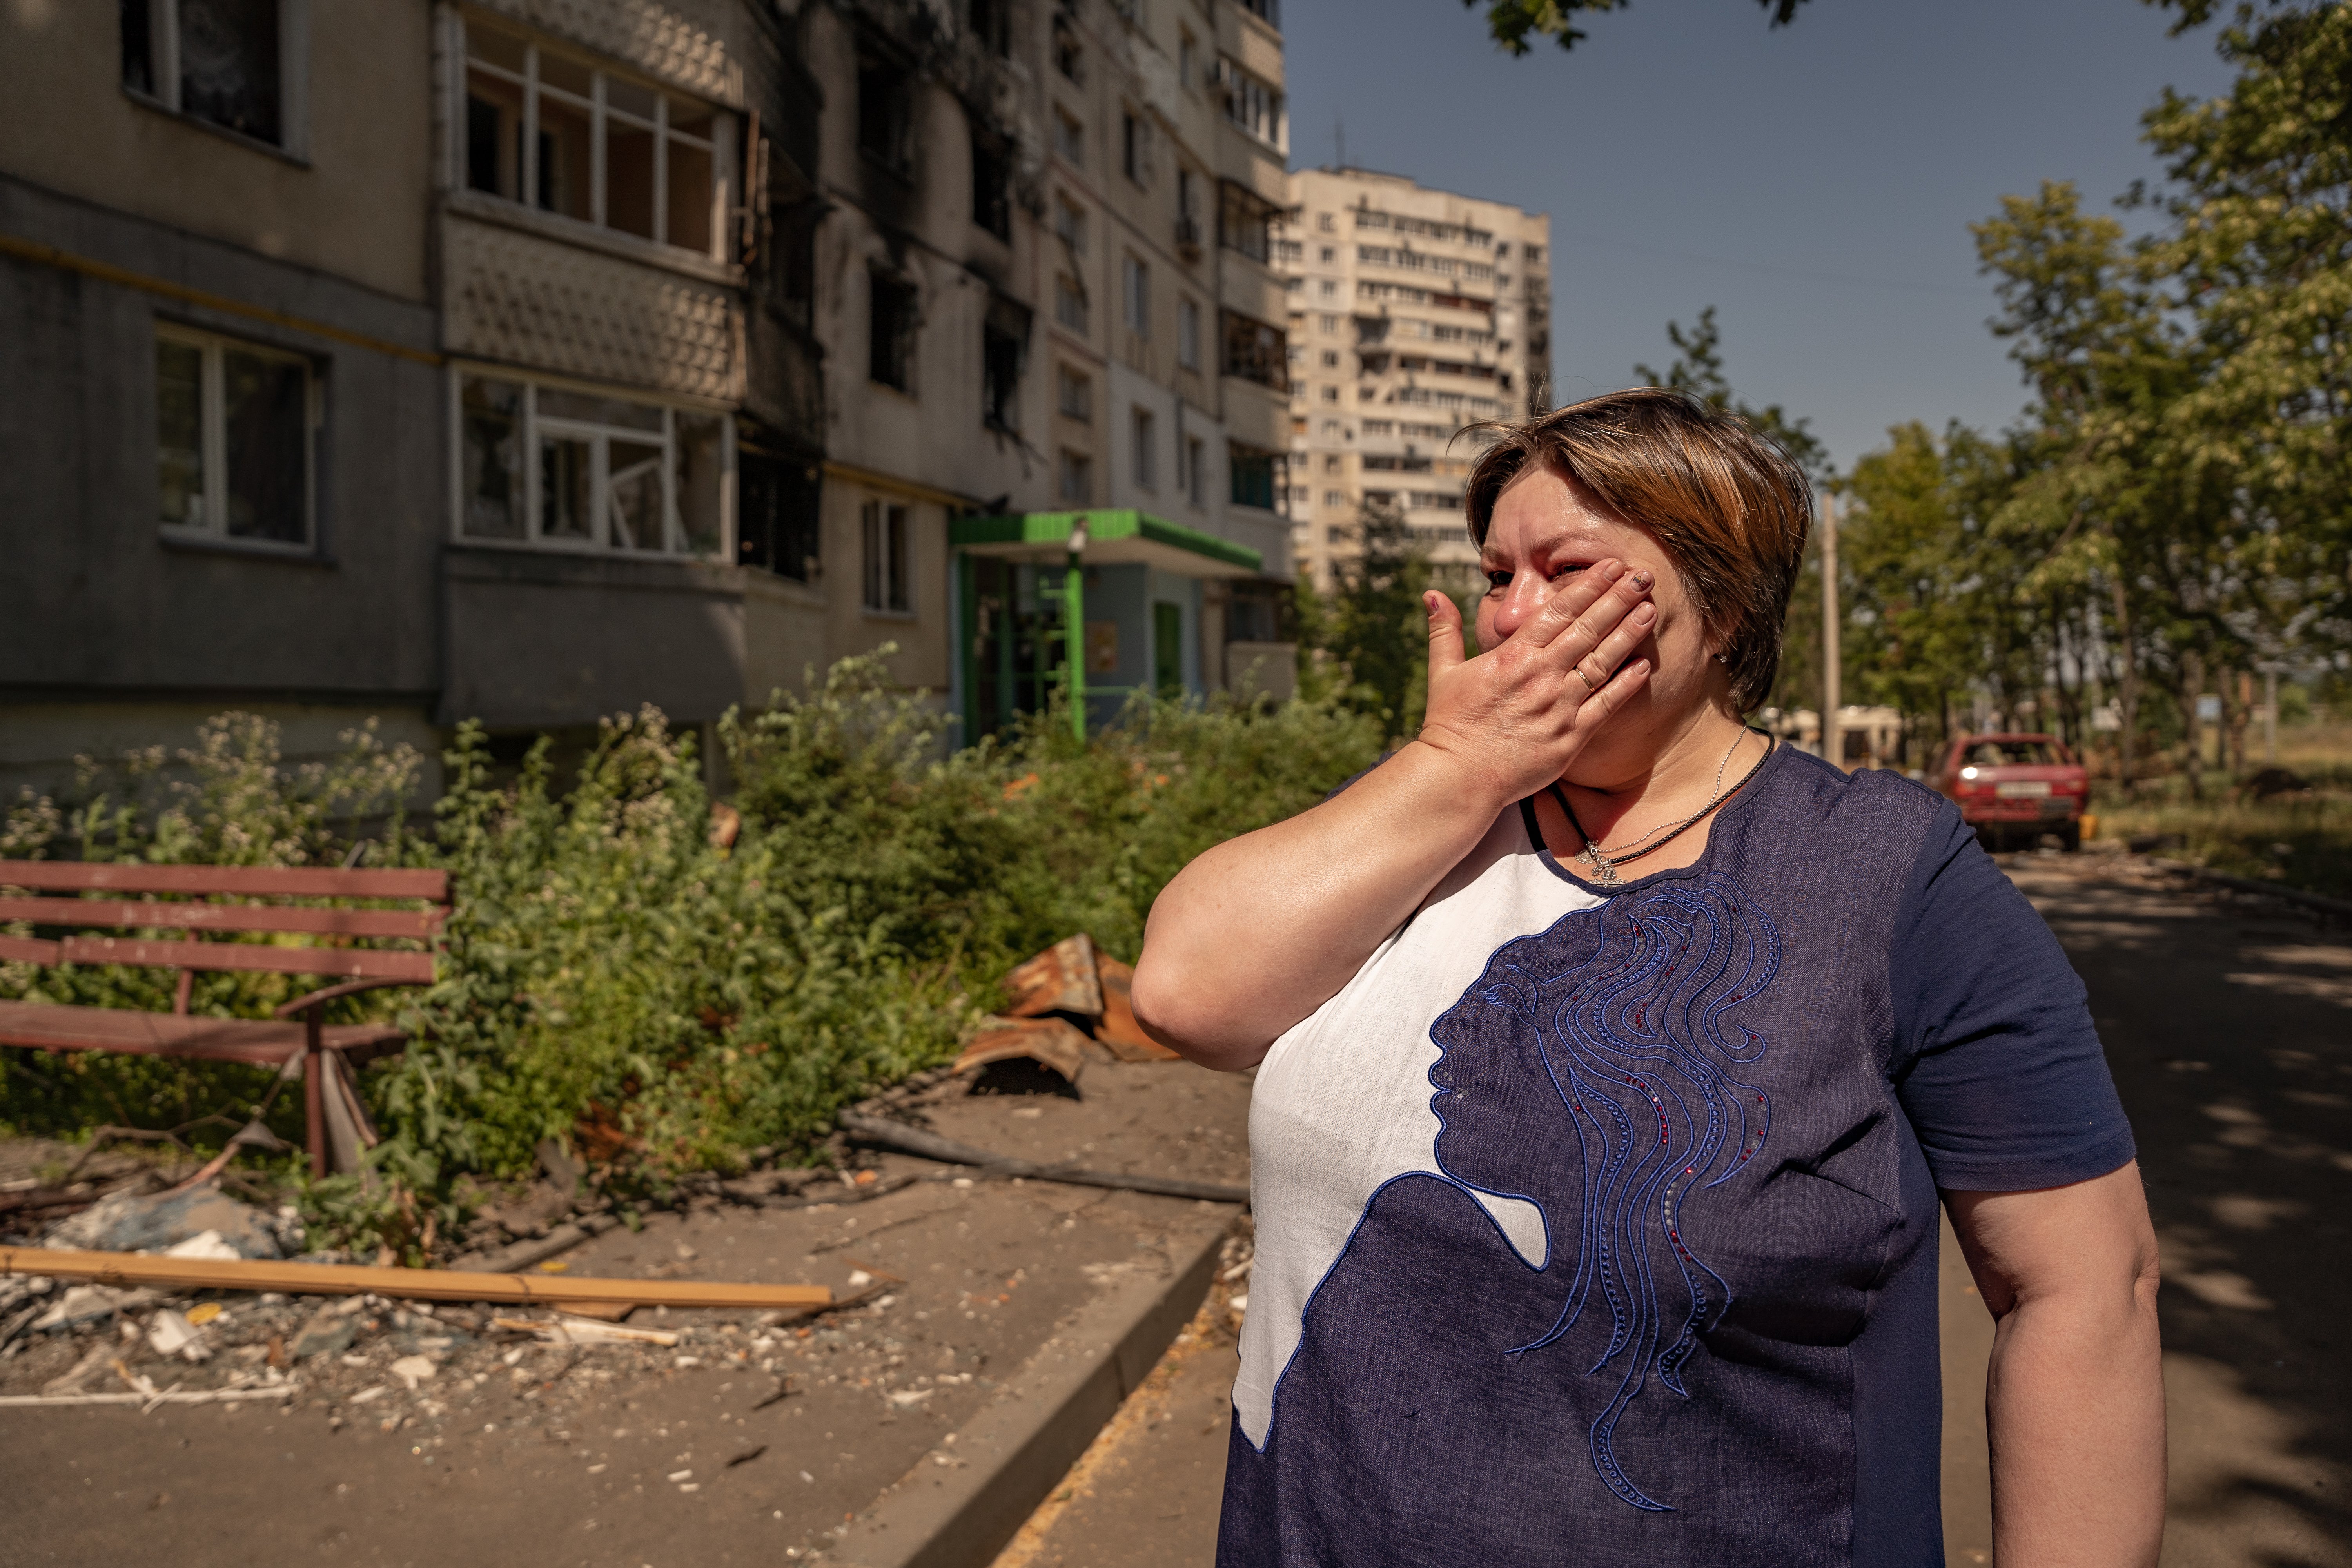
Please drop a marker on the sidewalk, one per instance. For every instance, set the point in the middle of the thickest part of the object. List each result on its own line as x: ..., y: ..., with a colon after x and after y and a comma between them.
x: 688, y: 1456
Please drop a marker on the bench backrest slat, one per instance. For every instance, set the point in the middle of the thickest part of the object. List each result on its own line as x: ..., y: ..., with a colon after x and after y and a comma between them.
x: 144, y: 914
x: 28, y: 950
x: 353, y: 963
x: 285, y: 882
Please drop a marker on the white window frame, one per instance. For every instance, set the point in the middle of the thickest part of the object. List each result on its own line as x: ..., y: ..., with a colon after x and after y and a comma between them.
x: 600, y: 436
x: 885, y: 530
x: 213, y: 417
x: 717, y: 146
x: 293, y: 74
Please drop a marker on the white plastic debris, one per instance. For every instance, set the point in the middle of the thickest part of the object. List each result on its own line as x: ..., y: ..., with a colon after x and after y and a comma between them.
x: 412, y: 1370
x: 204, y: 1244
x: 169, y: 1333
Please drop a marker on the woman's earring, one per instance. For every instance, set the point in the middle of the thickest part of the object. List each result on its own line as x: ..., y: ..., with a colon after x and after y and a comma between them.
x: 1720, y: 658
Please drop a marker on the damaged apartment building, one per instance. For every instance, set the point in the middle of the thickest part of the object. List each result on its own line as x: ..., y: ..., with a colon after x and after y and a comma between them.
x: 535, y: 360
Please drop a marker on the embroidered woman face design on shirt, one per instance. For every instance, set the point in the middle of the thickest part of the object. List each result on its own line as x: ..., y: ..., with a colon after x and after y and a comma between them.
x: 1609, y: 1092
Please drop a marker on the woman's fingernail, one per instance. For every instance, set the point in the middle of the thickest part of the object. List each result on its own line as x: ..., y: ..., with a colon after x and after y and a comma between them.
x: 1645, y: 613
x: 1643, y: 579
x: 1611, y: 569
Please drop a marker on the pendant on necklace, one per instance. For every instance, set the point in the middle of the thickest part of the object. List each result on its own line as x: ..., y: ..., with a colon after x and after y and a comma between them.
x: 1602, y: 871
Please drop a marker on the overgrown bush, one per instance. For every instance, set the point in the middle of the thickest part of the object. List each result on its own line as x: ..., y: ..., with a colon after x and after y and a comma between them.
x: 616, y: 977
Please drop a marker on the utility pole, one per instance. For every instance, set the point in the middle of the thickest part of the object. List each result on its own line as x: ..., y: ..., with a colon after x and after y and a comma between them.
x: 1074, y: 626
x: 1832, y: 737
x: 2269, y: 714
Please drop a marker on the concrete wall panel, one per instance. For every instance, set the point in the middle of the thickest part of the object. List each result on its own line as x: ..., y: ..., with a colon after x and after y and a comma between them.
x: 520, y: 297
x: 540, y: 639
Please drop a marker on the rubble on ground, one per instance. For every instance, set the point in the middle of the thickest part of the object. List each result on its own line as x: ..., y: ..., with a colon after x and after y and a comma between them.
x: 1064, y: 1007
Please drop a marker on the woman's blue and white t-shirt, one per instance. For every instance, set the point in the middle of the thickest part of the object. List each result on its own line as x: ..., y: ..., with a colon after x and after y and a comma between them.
x: 1650, y: 1276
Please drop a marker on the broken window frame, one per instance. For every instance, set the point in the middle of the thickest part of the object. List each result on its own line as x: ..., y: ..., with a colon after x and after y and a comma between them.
x: 1246, y: 222
x: 885, y: 111
x: 673, y: 426
x: 522, y: 181
x: 1003, y: 358
x: 767, y: 539
x: 894, y: 322
x: 1254, y: 350
x: 154, y: 71
x: 217, y: 450
x: 991, y: 184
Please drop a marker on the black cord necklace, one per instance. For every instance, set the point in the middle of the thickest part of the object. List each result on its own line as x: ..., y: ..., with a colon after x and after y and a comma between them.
x: 1604, y: 867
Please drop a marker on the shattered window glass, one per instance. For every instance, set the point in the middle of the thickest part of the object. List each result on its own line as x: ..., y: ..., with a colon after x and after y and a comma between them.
x: 229, y: 65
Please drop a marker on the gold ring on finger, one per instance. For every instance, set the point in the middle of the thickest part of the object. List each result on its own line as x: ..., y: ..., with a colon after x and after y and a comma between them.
x: 1578, y: 670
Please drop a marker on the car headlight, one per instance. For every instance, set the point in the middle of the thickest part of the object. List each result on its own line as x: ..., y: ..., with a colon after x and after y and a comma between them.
x: 1968, y: 773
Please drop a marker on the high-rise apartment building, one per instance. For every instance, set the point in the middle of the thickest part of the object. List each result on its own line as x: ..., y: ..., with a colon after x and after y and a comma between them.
x: 529, y: 362
x: 1414, y: 313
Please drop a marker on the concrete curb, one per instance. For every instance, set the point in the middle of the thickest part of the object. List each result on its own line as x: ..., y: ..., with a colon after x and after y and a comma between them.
x: 1009, y: 1456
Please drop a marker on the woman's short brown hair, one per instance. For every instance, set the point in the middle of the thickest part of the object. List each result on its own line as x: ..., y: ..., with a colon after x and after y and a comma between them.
x: 1727, y: 505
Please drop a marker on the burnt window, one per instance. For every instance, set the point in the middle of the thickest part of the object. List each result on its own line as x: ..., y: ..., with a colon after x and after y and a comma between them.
x: 991, y: 184
x: 890, y: 337
x: 228, y: 58
x: 1004, y: 349
x: 1245, y: 221
x: 992, y: 25
x: 1255, y: 352
x: 777, y: 529
x: 885, y: 112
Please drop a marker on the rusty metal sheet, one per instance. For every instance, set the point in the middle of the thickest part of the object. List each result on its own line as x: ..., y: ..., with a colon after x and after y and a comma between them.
x: 1050, y: 1041
x: 1062, y: 979
x: 1118, y: 1028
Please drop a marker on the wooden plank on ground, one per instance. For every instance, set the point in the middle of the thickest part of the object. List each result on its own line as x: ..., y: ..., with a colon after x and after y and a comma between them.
x: 132, y: 1268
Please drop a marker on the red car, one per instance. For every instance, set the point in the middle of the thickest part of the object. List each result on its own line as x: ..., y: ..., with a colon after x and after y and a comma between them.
x: 2013, y: 789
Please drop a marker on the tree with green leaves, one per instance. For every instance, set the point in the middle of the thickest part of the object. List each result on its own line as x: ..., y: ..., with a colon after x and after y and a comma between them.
x: 1697, y: 369
x: 1512, y: 23
x: 1371, y: 629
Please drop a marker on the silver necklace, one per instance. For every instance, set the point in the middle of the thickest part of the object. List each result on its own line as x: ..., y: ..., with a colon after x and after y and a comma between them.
x: 1604, y: 862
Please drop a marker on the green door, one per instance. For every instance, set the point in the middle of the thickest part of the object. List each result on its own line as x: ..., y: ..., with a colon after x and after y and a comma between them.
x: 1168, y: 650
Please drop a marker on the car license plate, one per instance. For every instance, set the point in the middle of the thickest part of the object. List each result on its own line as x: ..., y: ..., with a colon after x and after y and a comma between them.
x: 2056, y: 805
x: 2017, y: 788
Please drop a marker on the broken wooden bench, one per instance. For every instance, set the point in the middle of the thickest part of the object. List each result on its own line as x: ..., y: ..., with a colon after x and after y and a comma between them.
x: 186, y: 904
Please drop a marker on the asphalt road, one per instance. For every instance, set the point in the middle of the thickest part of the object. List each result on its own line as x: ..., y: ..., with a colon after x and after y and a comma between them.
x: 2228, y: 1025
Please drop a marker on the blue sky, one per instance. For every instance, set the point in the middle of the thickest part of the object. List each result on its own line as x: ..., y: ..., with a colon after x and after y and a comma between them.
x: 1815, y: 183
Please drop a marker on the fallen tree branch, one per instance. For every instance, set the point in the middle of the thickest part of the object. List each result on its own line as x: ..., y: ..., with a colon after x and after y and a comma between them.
x: 931, y: 1146
x: 149, y: 1401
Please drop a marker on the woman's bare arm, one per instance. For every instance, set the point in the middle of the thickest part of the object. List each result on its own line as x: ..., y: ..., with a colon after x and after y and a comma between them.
x: 1259, y: 932
x: 2075, y: 1397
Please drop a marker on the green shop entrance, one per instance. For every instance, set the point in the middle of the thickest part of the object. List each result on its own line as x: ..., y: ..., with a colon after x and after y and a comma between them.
x: 1123, y: 587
